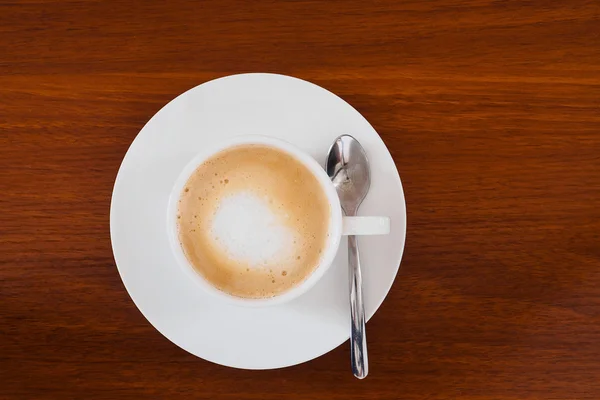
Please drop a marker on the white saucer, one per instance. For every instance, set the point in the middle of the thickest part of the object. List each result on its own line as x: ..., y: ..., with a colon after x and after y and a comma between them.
x: 301, y: 113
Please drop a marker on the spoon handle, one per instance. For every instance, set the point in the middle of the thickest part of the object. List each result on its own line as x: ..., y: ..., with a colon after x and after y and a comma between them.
x: 358, y: 339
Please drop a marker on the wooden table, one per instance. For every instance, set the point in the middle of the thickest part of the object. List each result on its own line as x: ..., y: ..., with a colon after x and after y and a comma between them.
x: 491, y: 110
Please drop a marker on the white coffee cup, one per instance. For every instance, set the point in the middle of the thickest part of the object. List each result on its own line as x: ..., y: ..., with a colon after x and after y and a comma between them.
x: 339, y: 224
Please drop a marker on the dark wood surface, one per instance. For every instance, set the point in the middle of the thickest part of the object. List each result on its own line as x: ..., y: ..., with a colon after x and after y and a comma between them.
x: 491, y: 110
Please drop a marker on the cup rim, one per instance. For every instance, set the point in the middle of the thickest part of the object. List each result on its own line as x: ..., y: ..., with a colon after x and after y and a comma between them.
x: 335, y: 222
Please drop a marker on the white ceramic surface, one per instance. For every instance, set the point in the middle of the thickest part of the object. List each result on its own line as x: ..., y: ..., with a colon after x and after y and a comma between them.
x: 298, y: 112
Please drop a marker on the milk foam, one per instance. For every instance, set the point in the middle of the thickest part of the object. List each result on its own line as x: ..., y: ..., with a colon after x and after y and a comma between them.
x: 247, y: 229
x: 253, y: 221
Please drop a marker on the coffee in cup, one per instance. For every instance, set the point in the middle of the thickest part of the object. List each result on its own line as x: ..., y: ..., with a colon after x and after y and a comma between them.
x: 253, y: 221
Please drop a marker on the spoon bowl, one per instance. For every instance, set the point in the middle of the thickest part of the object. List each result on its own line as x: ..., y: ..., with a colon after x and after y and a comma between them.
x: 348, y: 167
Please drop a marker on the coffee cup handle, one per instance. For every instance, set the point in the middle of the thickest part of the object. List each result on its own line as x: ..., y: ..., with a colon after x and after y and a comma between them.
x: 365, y: 226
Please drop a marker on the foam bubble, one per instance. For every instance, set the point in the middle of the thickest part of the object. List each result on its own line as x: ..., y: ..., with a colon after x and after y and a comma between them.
x: 248, y: 230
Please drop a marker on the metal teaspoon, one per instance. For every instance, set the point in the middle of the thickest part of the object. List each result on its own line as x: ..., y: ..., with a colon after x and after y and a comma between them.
x: 348, y: 168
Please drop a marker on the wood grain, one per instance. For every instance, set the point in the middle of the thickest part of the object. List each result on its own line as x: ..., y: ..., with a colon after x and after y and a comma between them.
x: 491, y: 110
